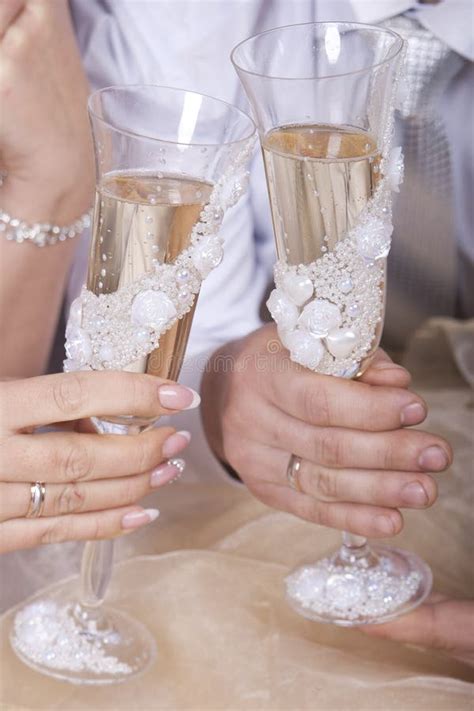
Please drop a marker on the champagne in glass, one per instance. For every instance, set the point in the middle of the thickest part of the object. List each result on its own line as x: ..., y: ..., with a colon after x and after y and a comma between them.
x: 319, y: 179
x: 169, y: 163
x: 323, y: 95
x: 142, y: 220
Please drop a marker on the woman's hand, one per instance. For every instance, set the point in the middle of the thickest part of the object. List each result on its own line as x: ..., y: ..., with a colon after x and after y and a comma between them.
x: 92, y: 481
x: 46, y: 152
x: 360, y: 463
x: 45, y: 144
x: 443, y: 624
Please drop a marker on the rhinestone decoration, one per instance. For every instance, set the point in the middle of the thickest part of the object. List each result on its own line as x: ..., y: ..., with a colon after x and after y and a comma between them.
x: 41, y: 234
x: 335, y: 304
x: 110, y: 331
x: 48, y: 634
x: 351, y: 592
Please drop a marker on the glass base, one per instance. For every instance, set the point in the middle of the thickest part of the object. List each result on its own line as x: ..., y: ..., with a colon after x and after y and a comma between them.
x: 377, y: 587
x: 64, y: 641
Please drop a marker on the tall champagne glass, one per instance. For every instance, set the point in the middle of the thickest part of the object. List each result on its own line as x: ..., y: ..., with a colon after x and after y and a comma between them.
x: 169, y: 163
x: 323, y: 96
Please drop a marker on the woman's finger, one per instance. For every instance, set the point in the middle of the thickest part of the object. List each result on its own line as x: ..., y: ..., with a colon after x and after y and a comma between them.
x: 81, y: 497
x: 67, y: 457
x: 390, y: 489
x: 72, y: 396
x: 30, y: 532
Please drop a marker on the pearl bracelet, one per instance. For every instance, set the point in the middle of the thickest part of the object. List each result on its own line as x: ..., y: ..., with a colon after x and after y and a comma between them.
x: 41, y: 234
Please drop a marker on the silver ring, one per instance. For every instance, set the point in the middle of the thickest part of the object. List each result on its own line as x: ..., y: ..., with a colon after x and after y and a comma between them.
x: 292, y: 473
x: 37, y: 498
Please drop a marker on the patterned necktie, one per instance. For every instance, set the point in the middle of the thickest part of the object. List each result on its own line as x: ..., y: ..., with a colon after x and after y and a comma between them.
x: 422, y: 267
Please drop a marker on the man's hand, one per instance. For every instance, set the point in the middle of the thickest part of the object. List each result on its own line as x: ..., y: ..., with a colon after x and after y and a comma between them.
x: 442, y: 624
x: 359, y: 462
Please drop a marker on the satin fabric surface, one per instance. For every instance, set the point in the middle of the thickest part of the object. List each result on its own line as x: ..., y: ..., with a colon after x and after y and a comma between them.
x: 207, y: 579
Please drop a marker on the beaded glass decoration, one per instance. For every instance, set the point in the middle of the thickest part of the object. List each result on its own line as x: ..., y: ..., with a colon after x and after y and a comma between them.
x: 110, y: 331
x: 327, y: 312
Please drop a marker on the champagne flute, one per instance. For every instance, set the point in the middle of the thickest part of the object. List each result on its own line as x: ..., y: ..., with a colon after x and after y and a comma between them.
x: 323, y: 95
x: 169, y: 163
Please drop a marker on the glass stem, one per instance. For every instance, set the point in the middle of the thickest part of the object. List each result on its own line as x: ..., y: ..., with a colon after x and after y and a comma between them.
x: 98, y: 559
x: 96, y: 571
x: 354, y: 549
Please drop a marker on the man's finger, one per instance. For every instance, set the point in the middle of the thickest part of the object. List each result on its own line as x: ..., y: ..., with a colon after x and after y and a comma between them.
x: 383, y: 371
x: 390, y: 489
x: 403, y: 450
x: 326, y: 401
x: 363, y: 520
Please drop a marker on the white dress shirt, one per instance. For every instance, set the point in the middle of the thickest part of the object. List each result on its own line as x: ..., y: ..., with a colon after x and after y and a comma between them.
x: 187, y: 43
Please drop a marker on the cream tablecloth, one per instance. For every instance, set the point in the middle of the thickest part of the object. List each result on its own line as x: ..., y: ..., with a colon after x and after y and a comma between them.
x: 207, y: 580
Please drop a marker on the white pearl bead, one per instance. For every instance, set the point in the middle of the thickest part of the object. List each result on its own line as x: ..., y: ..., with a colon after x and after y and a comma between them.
x: 142, y: 336
x: 298, y: 288
x: 353, y: 309
x: 345, y: 285
x: 106, y: 352
x: 341, y: 342
x: 153, y: 309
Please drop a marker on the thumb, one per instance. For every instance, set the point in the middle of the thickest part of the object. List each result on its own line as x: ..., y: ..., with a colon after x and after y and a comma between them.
x: 441, y: 623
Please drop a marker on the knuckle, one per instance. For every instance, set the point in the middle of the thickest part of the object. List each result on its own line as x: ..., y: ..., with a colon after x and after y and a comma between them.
x: 70, y: 394
x: 55, y: 531
x: 69, y: 500
x: 329, y: 448
x: 316, y: 404
x: 325, y: 483
x: 147, y: 453
x: 143, y: 393
x: 391, y: 446
x: 77, y: 463
x: 133, y: 489
x: 96, y: 529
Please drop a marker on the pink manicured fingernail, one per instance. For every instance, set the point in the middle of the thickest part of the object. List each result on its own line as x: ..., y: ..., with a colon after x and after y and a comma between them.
x: 413, y: 414
x: 135, y: 519
x: 176, y: 443
x: 414, y: 494
x: 178, y: 397
x: 167, y: 472
x: 433, y: 459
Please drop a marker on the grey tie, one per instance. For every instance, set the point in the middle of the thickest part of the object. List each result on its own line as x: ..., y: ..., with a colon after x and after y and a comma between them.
x: 422, y: 267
